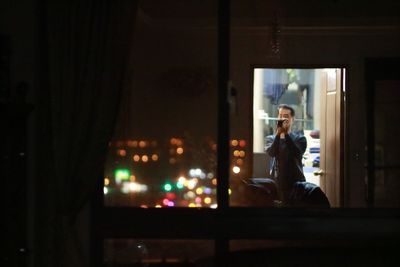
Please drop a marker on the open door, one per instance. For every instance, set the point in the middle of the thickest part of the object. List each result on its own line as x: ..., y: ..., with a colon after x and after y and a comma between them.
x: 329, y: 172
x: 316, y: 96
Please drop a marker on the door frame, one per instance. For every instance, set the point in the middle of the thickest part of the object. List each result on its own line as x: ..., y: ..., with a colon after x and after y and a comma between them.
x: 343, y: 116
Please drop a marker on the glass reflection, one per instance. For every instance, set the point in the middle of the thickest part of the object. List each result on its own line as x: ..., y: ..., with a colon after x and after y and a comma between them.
x: 313, y: 125
x: 155, y: 252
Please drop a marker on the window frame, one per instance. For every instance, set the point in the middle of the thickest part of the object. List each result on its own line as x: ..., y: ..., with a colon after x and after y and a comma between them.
x: 225, y: 222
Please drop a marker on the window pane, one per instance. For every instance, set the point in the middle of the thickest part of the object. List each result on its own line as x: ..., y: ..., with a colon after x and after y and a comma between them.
x: 310, y: 253
x: 387, y: 164
x: 163, y: 153
x: 311, y: 93
x: 153, y: 252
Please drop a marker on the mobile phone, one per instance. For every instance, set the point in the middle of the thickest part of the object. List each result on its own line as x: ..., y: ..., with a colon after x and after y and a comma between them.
x: 280, y: 123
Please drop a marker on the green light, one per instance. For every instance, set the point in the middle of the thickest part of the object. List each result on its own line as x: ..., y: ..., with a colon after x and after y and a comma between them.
x: 179, y: 185
x: 167, y: 187
x: 122, y: 174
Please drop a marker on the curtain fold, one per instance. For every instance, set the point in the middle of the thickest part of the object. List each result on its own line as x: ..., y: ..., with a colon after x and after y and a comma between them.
x: 89, y: 45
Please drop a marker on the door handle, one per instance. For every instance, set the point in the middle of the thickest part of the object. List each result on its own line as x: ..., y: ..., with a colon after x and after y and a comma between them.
x: 319, y: 173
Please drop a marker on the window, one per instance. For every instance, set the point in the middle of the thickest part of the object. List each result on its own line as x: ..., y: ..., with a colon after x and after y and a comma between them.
x: 156, y: 252
x: 164, y: 150
x: 382, y: 170
x: 316, y: 97
x: 163, y: 153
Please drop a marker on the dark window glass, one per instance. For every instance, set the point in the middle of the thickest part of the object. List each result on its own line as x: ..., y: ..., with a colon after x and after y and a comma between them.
x: 387, y: 164
x: 155, y: 252
x: 163, y: 153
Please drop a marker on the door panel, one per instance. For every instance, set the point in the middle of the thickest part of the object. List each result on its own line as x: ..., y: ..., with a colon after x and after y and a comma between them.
x: 330, y: 135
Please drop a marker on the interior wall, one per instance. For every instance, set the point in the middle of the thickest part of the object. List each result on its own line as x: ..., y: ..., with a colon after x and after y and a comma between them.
x: 174, y: 80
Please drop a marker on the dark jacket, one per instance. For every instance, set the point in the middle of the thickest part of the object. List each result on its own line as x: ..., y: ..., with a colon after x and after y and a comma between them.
x: 290, y: 152
x: 305, y: 194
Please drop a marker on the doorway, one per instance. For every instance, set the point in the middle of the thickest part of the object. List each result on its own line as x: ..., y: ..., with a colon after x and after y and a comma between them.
x: 316, y: 94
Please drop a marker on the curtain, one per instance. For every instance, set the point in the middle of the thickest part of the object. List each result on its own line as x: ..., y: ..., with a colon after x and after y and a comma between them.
x: 89, y: 45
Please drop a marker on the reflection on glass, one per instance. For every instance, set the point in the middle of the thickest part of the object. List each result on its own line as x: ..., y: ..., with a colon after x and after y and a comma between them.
x: 153, y: 252
x: 295, y: 87
x: 309, y: 253
x: 302, y: 90
x: 251, y: 244
x: 163, y: 152
x: 183, y: 175
x: 173, y: 175
x: 387, y: 164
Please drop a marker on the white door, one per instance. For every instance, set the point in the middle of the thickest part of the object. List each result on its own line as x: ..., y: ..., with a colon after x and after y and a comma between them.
x: 330, y: 159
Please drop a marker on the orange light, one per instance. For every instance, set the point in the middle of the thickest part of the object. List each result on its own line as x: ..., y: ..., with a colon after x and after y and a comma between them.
x: 239, y: 162
x: 172, y: 160
x: 179, y: 150
x: 207, y: 200
x: 122, y: 152
x: 236, y: 153
x: 145, y: 158
x: 134, y: 143
x: 214, y: 147
x: 242, y: 143
x: 154, y: 157
x: 179, y: 142
x: 132, y: 178
x: 136, y: 158
x: 242, y: 154
x: 234, y: 142
x: 106, y: 181
x: 173, y: 141
x: 214, y: 181
x: 142, y: 144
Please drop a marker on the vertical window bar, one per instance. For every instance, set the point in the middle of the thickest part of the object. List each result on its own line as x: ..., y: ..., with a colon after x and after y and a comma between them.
x: 223, y: 106
x: 370, y: 113
x: 221, y: 243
